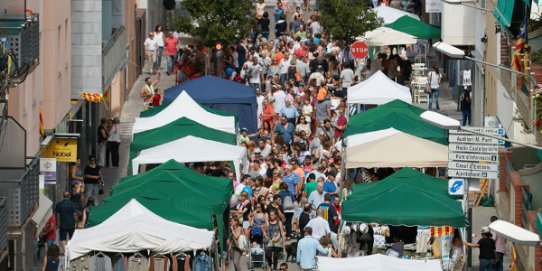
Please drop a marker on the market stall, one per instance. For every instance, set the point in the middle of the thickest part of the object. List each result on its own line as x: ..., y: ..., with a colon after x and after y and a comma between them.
x: 385, y: 36
x: 415, y: 27
x: 391, y: 15
x: 393, y: 148
x: 184, y: 106
x: 177, y: 129
x: 134, y: 228
x: 190, y: 149
x: 377, y: 262
x: 516, y: 234
x: 399, y: 115
x: 378, y: 89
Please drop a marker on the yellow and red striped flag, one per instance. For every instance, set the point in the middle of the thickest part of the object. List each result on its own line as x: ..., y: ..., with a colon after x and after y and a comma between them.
x: 441, y: 231
x: 42, y: 129
x: 92, y: 97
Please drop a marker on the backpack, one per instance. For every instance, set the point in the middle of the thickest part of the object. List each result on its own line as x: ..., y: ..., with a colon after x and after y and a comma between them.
x: 326, y: 212
x: 288, y: 203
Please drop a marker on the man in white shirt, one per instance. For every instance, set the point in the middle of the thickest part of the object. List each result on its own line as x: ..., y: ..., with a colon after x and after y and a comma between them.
x: 317, y: 196
x: 303, y: 67
x: 347, y: 76
x: 280, y: 99
x: 256, y: 74
x: 151, y: 46
x: 241, y: 187
x: 263, y: 148
x: 320, y: 226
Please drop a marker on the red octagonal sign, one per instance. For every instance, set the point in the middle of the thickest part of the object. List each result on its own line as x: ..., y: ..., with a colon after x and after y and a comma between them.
x: 359, y: 49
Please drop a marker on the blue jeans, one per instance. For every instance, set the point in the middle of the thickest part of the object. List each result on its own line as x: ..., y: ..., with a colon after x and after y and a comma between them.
x: 434, y: 94
x: 499, y: 266
x: 283, y: 76
x: 486, y: 265
x: 159, y: 56
x: 265, y: 34
x: 170, y: 60
x: 466, y: 116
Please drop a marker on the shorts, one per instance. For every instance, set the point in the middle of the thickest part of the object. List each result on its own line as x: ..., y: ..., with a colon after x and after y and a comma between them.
x: 63, y: 234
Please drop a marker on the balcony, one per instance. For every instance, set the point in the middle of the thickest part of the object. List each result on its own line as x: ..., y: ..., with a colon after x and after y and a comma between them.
x: 23, y: 39
x: 21, y: 189
x: 114, y: 56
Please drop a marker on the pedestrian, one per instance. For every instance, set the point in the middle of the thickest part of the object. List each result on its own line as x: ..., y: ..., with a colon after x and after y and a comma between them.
x: 103, y: 135
x: 113, y: 143
x: 276, y: 237
x: 48, y: 234
x: 307, y: 249
x: 236, y: 244
x: 434, y: 77
x: 157, y: 98
x: 93, y: 176
x: 159, y: 37
x: 151, y: 47
x: 319, y: 226
x: 76, y: 173
x: 91, y: 202
x: 330, y: 213
x: 283, y: 267
x: 488, y: 253
x: 51, y: 262
x: 466, y: 108
x: 147, y: 91
x: 316, y: 197
x: 66, y: 215
x: 500, y: 246
x: 170, y: 43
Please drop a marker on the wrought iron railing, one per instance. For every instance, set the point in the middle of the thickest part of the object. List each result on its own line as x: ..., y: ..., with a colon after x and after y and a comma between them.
x: 22, y: 192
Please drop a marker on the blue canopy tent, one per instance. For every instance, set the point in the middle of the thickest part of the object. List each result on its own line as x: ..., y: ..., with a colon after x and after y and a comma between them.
x: 221, y: 94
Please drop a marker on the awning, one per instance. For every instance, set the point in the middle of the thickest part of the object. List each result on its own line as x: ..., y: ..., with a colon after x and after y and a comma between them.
x: 383, y: 36
x: 516, y: 234
x: 503, y: 12
x: 417, y: 28
x: 45, y: 210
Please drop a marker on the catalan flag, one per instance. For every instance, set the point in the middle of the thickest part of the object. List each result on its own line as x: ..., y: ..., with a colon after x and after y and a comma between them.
x: 92, y: 97
x: 516, y: 58
x: 42, y: 129
x: 441, y: 231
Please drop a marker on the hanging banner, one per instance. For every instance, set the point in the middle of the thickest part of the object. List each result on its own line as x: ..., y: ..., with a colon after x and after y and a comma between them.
x: 63, y: 149
x: 48, y: 169
x: 433, y: 6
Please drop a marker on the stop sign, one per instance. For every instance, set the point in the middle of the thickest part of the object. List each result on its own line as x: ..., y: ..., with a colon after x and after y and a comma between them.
x: 359, y: 49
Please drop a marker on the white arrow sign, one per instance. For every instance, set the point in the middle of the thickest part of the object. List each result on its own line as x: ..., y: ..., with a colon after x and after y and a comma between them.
x: 473, y: 174
x: 474, y: 139
x: 473, y: 166
x: 473, y: 157
x: 482, y: 130
x: 488, y: 149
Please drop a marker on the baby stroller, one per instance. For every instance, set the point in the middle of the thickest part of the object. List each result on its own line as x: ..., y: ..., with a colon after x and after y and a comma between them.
x: 256, y: 255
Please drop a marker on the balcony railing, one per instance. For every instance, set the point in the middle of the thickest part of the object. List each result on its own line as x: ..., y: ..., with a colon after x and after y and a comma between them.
x: 21, y: 187
x: 23, y: 40
x: 113, y: 56
x: 3, y: 224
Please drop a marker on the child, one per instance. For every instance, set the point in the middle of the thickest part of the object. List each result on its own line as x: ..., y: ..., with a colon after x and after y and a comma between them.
x: 157, y: 98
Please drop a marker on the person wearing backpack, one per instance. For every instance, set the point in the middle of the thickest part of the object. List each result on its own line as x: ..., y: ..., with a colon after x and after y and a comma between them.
x: 330, y: 213
x: 287, y: 199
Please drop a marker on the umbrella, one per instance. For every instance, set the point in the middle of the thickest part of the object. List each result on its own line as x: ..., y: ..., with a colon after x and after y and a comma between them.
x: 386, y: 36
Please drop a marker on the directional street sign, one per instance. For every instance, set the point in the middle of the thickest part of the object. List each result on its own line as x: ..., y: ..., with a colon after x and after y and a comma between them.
x: 473, y: 174
x: 474, y: 139
x: 482, y: 130
x: 473, y: 157
x: 486, y: 149
x: 473, y: 166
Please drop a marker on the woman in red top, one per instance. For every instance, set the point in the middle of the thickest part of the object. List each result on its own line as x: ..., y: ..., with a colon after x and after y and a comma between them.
x: 157, y: 98
x: 171, y: 51
x: 268, y: 114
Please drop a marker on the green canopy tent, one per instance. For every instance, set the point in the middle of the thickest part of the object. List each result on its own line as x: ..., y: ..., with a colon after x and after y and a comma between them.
x: 419, y: 29
x: 406, y: 175
x: 403, y: 204
x: 169, y: 188
x: 399, y: 115
x: 178, y: 129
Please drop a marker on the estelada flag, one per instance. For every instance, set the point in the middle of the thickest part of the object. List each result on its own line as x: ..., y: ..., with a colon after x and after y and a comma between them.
x: 92, y: 97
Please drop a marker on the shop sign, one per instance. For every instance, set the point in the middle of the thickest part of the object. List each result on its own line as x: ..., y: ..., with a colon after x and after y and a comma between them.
x: 63, y: 149
x: 48, y: 169
x: 473, y: 174
x: 456, y: 187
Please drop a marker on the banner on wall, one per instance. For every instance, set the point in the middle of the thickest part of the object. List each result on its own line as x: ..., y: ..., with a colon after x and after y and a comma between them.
x: 63, y: 149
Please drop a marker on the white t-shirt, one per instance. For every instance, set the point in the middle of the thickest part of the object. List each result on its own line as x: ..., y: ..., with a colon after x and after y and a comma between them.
x: 280, y: 100
x: 315, y: 199
x: 150, y: 44
x: 255, y: 71
x: 320, y: 227
x: 239, y: 189
x: 316, y: 28
x: 159, y: 37
x: 347, y: 75
x: 434, y: 79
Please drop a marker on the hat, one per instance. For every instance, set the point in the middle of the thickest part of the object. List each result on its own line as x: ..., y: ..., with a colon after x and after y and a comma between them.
x: 244, y: 129
x: 484, y: 230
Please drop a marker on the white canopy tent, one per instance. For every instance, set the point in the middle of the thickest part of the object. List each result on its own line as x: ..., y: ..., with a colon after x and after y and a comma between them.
x: 376, y: 262
x: 378, y: 89
x: 185, y: 106
x: 391, y: 15
x: 383, y: 36
x: 190, y: 149
x: 439, y: 119
x: 134, y: 228
x: 393, y: 148
x: 518, y: 235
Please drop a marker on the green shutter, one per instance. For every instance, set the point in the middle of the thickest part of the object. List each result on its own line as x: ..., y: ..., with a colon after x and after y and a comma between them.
x: 503, y: 12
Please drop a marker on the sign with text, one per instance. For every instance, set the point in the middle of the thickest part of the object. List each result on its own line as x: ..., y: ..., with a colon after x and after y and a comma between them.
x: 63, y: 149
x: 474, y: 139
x: 473, y: 174
x: 482, y: 130
x: 359, y: 50
x: 473, y: 166
x: 48, y: 169
x: 473, y: 157
x: 464, y: 148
